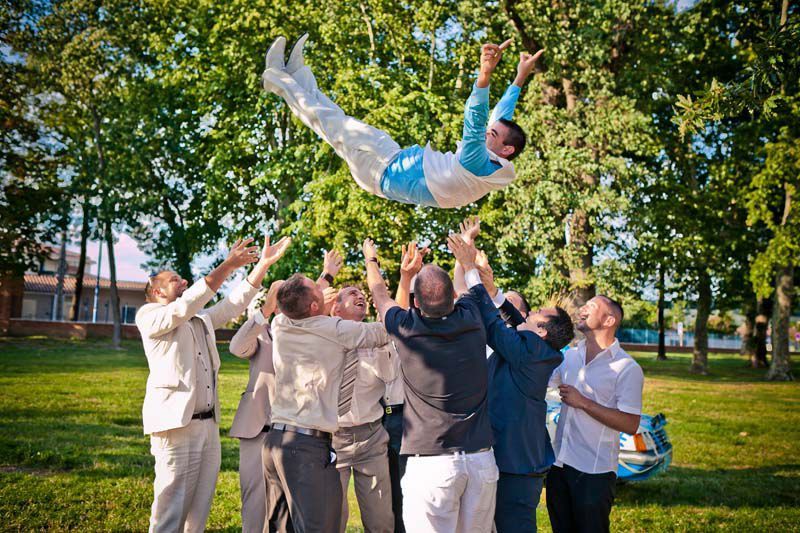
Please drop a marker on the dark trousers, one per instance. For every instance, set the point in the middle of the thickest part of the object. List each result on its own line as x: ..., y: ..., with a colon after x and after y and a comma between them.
x: 579, y: 502
x: 397, y: 465
x: 517, y: 498
x: 299, y: 468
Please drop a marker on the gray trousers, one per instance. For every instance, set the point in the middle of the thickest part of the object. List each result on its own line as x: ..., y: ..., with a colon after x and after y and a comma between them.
x: 299, y: 468
x: 363, y: 453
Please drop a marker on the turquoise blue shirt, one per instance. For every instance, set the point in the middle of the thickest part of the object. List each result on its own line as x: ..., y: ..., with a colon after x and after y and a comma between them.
x: 404, y: 180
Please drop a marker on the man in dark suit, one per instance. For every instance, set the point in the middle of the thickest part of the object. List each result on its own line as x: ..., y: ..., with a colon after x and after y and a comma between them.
x: 524, y: 357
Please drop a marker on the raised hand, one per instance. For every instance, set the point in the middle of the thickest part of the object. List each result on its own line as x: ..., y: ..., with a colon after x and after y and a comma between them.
x: 329, y: 298
x: 491, y: 54
x: 270, y: 254
x: 527, y: 63
x: 470, y: 229
x: 486, y: 273
x: 271, y: 301
x: 241, y: 254
x: 369, y: 250
x: 332, y: 263
x: 465, y: 252
x: 411, y: 262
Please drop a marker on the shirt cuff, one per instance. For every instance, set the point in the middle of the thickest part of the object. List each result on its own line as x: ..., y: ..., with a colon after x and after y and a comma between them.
x: 411, y: 286
x: 499, y: 298
x: 259, y: 318
x: 472, y: 277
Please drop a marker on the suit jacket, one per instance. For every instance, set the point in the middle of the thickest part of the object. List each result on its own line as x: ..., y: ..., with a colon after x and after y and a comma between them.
x: 519, y: 370
x: 253, y: 342
x: 169, y: 342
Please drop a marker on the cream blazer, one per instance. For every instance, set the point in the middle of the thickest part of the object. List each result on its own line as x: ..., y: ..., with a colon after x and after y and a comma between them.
x: 170, y: 344
x: 254, y: 343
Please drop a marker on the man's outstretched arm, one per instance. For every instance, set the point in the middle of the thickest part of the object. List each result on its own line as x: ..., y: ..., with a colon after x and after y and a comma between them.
x: 505, y: 107
x: 474, y: 155
x: 377, y: 286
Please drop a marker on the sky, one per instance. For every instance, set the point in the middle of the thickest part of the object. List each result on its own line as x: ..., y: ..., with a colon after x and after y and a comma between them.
x: 127, y: 255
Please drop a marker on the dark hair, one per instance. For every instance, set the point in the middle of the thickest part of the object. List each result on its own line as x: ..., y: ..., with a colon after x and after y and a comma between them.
x: 433, y: 291
x: 526, y: 307
x: 560, y: 330
x: 295, y: 297
x: 516, y: 137
x: 617, y: 306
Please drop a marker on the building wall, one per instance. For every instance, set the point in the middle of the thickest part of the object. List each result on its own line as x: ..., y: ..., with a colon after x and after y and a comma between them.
x: 39, y: 306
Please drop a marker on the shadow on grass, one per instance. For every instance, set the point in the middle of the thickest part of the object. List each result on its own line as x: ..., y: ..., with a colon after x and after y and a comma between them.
x: 773, y: 486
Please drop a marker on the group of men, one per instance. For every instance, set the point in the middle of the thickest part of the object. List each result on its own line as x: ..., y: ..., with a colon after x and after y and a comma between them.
x: 434, y: 435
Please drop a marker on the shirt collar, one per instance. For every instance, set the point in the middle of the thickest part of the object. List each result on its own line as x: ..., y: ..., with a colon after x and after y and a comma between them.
x: 611, y: 351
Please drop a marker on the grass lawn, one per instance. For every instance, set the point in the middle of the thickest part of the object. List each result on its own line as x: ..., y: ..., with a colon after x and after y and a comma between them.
x: 72, y: 453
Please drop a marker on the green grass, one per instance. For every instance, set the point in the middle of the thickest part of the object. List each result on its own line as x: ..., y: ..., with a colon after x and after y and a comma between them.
x: 72, y: 453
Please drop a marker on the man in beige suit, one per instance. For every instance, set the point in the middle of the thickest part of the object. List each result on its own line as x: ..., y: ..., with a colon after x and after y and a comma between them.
x: 250, y: 425
x: 361, y: 443
x: 181, y: 407
x: 309, y: 352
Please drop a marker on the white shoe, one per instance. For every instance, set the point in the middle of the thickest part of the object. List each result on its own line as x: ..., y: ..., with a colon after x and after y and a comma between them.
x: 306, y: 79
x: 274, y: 57
x: 296, y: 55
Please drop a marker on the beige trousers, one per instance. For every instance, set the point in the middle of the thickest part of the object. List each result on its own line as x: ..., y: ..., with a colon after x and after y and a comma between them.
x: 251, y: 484
x: 187, y: 465
x: 450, y: 493
x: 363, y: 453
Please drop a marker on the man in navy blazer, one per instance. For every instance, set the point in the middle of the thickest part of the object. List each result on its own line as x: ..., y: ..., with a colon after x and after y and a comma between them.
x: 524, y: 357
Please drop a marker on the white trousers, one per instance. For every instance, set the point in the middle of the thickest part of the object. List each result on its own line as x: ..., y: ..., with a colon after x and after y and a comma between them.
x: 252, y: 485
x: 366, y: 150
x: 187, y: 465
x: 450, y: 493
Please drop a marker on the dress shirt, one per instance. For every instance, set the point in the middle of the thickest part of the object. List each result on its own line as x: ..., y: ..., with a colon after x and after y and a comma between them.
x: 394, y: 394
x: 612, y: 379
x: 308, y: 355
x: 204, y: 376
x: 375, y: 369
x: 404, y: 178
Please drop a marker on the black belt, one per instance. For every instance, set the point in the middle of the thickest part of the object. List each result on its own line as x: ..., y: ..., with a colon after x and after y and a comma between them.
x: 488, y: 448
x: 302, y: 431
x: 391, y: 409
x: 204, y: 415
x: 265, y: 429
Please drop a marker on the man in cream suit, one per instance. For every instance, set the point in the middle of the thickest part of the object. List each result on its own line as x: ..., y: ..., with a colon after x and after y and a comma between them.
x: 181, y: 407
x: 250, y: 425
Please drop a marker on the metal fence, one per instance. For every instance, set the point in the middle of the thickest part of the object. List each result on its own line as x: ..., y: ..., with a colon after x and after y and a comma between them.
x: 671, y: 338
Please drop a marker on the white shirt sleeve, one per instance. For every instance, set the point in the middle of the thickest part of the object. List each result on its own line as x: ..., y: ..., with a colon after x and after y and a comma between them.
x: 629, y: 390
x: 472, y: 278
x: 555, y: 377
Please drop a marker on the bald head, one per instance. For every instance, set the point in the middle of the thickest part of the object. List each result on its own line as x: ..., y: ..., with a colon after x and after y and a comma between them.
x: 433, y: 291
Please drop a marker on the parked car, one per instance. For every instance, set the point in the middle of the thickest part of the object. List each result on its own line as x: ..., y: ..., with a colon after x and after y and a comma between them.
x: 641, y: 456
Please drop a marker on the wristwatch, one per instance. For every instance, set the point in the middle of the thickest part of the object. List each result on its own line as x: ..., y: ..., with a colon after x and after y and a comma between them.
x: 375, y: 260
x: 327, y: 277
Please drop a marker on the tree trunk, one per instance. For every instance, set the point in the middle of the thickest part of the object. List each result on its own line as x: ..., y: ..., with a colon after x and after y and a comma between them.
x: 763, y: 314
x: 116, y: 338
x: 580, y: 274
x: 58, y: 312
x: 780, y: 369
x: 662, y: 345
x: 700, y: 353
x: 75, y: 312
x: 183, y: 259
x: 748, y: 347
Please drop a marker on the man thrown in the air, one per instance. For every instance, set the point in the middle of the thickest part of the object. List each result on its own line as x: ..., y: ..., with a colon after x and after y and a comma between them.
x: 415, y: 175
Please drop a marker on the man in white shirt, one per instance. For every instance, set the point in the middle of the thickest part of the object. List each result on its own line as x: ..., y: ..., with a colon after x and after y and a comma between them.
x: 601, y: 394
x: 181, y: 405
x: 361, y: 443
